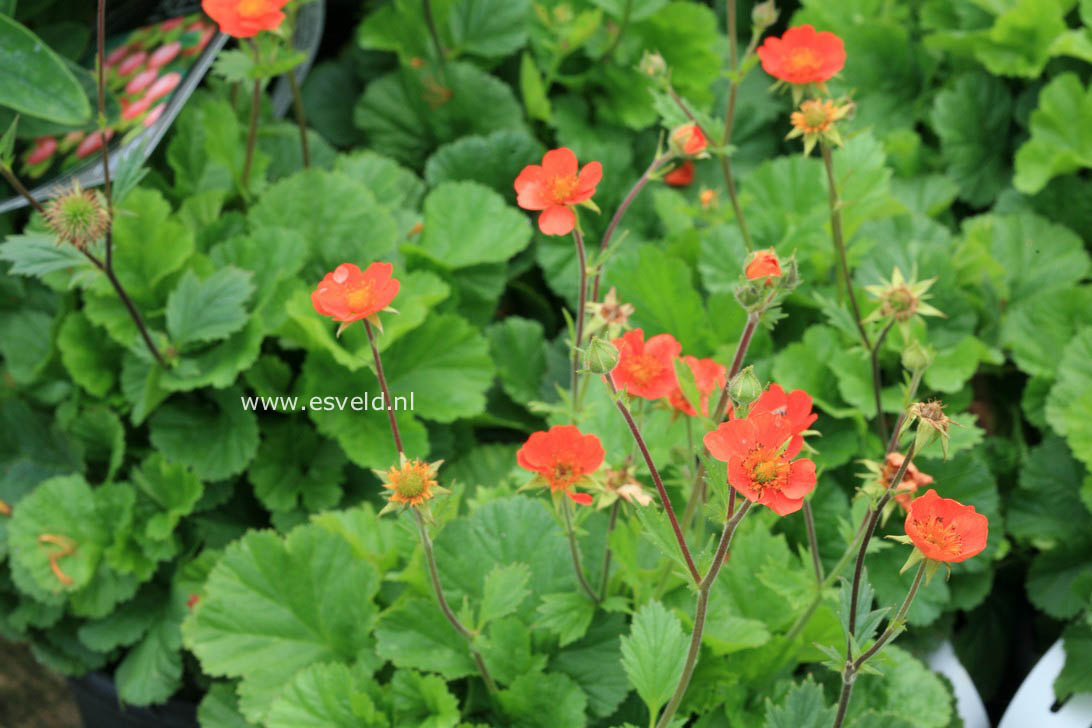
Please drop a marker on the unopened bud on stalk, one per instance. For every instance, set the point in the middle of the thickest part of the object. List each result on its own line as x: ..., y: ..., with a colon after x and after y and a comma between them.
x: 653, y: 65
x: 745, y: 387
x: 764, y: 15
x: 932, y: 423
x: 915, y: 357
x: 601, y: 356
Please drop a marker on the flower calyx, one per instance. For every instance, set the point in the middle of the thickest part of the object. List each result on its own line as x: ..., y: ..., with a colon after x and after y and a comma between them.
x: 901, y: 300
x: 412, y: 484
x: 610, y: 314
x: 816, y: 122
x: 932, y: 424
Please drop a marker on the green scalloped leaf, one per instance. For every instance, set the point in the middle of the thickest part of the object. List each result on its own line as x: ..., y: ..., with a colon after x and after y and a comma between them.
x: 216, y: 438
x: 1058, y: 144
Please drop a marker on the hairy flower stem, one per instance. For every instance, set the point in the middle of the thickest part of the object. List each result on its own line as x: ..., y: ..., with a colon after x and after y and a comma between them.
x: 252, y: 132
x: 621, y: 211
x: 581, y: 310
x: 697, y: 493
x: 301, y: 117
x: 607, y: 551
x: 813, y: 543
x: 383, y: 386
x: 870, y: 529
x: 840, y: 248
x: 852, y: 667
x: 577, y: 566
x: 665, y: 500
x: 911, y: 392
x: 100, y: 25
x: 107, y: 269
x: 699, y: 615
x: 438, y: 589
x: 729, y: 122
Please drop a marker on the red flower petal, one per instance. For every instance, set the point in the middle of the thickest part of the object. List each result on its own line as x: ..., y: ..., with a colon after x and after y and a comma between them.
x: 559, y: 163
x: 732, y: 439
x: 557, y: 220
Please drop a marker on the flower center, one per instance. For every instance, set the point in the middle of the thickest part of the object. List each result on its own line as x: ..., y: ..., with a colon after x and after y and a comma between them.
x: 561, y: 188
x: 767, y: 469
x: 942, y: 536
x: 902, y: 303
x: 411, y: 481
x: 803, y: 59
x: 360, y: 298
x: 816, y: 118
x: 562, y: 475
x: 643, y: 368
x: 251, y: 8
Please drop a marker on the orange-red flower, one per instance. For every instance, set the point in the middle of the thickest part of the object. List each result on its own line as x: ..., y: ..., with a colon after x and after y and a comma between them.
x: 759, y: 450
x: 763, y: 264
x: 681, y: 176
x: 803, y: 56
x: 945, y: 529
x: 554, y: 187
x: 562, y: 456
x: 349, y: 294
x: 646, y: 369
x: 912, y: 479
x: 412, y: 481
x: 709, y: 377
x: 245, y: 18
x: 688, y: 139
x: 794, y: 406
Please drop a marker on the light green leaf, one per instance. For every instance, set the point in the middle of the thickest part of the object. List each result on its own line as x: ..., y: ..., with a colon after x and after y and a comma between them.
x: 1036, y: 328
x: 511, y: 530
x: 91, y: 361
x: 544, y: 700
x: 415, y: 634
x: 568, y: 615
x: 1048, y: 509
x: 467, y: 224
x: 533, y: 89
x: 1060, y: 580
x: 804, y: 706
x: 409, y: 113
x: 125, y: 625
x: 518, y: 346
x: 951, y: 368
x: 173, y: 488
x: 36, y: 254
x: 422, y: 700
x: 210, y: 309
x: 1076, y: 674
x: 506, y: 650
x: 149, y: 245
x: 295, y: 467
x: 490, y: 28
x: 25, y: 343
x: 972, y: 117
x: 334, y: 216
x: 595, y: 664
x: 324, y: 695
x: 63, y: 509
x: 364, y: 436
x: 494, y: 160
x: 906, y: 690
x: 445, y: 363
x: 220, y: 708
x: 1057, y: 144
x: 653, y: 654
x: 661, y: 288
x: 217, y: 439
x: 504, y: 590
x: 152, y: 670
x: 36, y: 81
x: 392, y: 184
x: 273, y: 606
x: 1035, y: 255
x: 1074, y: 379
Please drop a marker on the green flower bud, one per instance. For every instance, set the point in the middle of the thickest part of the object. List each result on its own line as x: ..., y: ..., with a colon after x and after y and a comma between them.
x: 764, y: 15
x: 745, y: 387
x: 916, y: 357
x: 601, y: 356
x: 653, y: 65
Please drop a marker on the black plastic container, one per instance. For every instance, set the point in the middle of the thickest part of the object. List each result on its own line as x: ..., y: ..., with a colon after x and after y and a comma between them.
x: 97, y: 699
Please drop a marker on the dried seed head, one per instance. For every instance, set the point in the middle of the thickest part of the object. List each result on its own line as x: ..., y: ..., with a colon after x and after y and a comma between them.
x: 78, y: 216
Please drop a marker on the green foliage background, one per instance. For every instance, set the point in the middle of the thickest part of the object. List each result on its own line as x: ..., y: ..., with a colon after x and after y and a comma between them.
x: 967, y: 160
